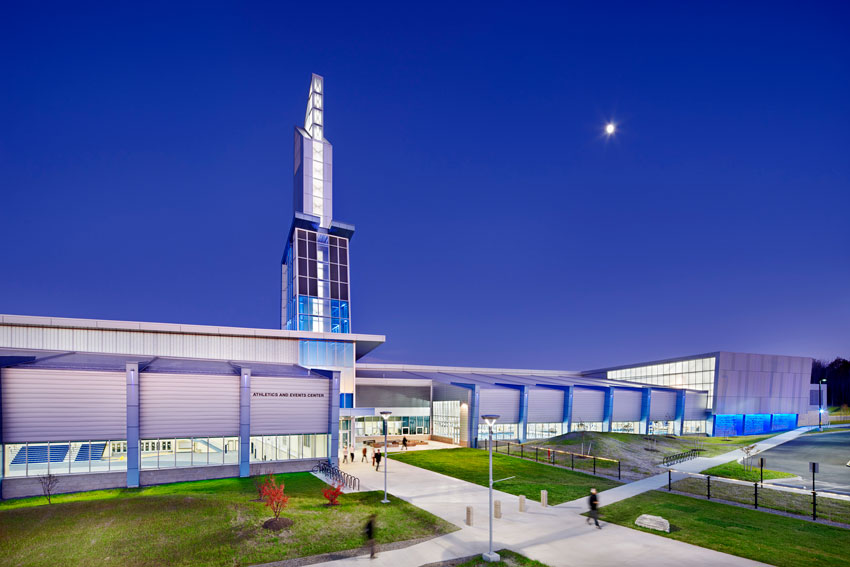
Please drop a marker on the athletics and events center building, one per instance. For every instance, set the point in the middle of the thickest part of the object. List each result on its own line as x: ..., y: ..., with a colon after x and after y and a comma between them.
x: 121, y: 404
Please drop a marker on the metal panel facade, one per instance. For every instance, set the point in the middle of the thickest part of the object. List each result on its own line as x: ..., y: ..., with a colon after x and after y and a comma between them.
x: 588, y: 405
x: 282, y: 406
x: 62, y: 405
x: 757, y: 383
x: 695, y: 405
x: 503, y: 402
x: 662, y: 405
x: 393, y: 396
x: 626, y: 405
x: 188, y: 405
x: 545, y: 405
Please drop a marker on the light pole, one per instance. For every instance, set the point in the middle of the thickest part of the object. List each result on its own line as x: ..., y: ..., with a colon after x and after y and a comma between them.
x: 820, y: 404
x: 386, y: 415
x: 491, y: 556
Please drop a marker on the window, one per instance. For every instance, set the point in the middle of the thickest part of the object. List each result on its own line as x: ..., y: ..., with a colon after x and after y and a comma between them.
x: 288, y: 447
x: 63, y: 457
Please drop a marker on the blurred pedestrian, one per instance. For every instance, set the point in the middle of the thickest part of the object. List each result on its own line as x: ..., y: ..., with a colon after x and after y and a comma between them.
x: 404, y: 443
x: 351, y: 453
x: 378, y: 460
x: 363, y: 460
x: 370, y: 535
x: 373, y: 456
x: 593, y: 502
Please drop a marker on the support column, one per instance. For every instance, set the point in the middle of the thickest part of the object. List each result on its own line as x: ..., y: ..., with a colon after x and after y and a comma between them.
x: 645, y: 404
x: 132, y: 370
x: 245, y: 422
x: 568, y: 409
x: 472, y: 416
x: 679, y: 422
x: 333, y: 421
x: 523, y: 414
x: 608, y: 411
x: 2, y: 448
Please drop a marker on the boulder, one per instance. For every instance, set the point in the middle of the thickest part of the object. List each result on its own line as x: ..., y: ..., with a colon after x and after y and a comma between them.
x: 653, y: 523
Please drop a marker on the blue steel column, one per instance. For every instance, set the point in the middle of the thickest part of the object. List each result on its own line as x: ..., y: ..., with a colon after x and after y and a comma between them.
x: 608, y: 409
x: 333, y: 420
x: 645, y: 404
x: 245, y: 423
x: 132, y: 425
x: 568, y: 409
x: 2, y: 449
x: 523, y: 414
x: 679, y: 423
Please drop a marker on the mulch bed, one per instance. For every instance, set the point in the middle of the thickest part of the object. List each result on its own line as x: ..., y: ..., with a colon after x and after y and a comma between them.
x: 278, y: 524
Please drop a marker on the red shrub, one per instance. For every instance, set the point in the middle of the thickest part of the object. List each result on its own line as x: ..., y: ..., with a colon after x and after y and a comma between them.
x: 332, y: 494
x: 274, y: 496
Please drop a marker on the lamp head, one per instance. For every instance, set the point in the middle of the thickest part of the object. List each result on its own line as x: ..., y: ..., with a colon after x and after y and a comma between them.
x: 386, y: 414
x: 490, y: 419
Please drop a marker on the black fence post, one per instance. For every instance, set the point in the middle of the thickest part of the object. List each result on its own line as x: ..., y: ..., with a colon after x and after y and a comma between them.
x: 535, y: 456
x: 708, y: 486
x: 619, y: 476
x: 573, y: 461
x: 594, y: 465
x: 814, y: 505
x: 521, y: 455
x: 669, y: 480
x: 756, y: 495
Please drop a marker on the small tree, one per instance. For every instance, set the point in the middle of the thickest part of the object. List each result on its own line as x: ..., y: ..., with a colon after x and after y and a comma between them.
x: 748, y: 453
x: 274, y: 496
x: 332, y: 494
x: 260, y: 481
x: 48, y: 485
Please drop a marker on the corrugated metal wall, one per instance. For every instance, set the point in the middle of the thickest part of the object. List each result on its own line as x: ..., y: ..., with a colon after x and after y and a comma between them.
x: 393, y: 396
x: 188, y: 405
x: 503, y: 402
x: 449, y: 392
x: 545, y: 405
x: 301, y: 405
x: 695, y: 405
x: 183, y: 345
x: 626, y: 405
x: 588, y: 405
x: 662, y: 405
x: 61, y: 405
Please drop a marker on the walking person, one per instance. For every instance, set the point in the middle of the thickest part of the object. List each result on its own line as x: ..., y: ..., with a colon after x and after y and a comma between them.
x: 370, y: 536
x: 363, y: 460
x: 378, y: 460
x: 344, y: 455
x: 404, y: 443
x: 351, y: 453
x: 373, y: 456
x: 593, y: 502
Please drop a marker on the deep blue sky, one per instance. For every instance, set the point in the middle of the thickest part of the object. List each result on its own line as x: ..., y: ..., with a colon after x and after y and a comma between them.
x: 146, y: 164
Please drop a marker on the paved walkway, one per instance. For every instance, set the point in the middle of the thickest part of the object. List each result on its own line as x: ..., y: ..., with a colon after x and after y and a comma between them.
x: 557, y: 536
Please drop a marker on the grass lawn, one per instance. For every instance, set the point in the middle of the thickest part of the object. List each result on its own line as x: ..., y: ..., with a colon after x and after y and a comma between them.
x: 734, y: 469
x: 203, y: 523
x: 471, y: 465
x: 760, y: 536
x: 508, y: 559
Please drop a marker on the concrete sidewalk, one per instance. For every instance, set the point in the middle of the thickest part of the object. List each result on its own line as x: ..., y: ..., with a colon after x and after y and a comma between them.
x: 557, y: 536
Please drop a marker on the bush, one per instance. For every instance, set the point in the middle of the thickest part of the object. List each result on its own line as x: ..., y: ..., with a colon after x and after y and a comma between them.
x: 332, y: 494
x: 274, y: 496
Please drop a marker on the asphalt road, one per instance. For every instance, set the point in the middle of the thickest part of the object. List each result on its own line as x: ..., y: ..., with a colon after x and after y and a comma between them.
x: 831, y: 450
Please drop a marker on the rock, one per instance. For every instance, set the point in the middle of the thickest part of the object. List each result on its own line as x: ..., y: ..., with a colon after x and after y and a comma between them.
x: 653, y: 523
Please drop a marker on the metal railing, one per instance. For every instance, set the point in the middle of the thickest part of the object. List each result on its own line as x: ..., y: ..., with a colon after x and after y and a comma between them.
x: 799, y: 501
x: 557, y: 457
x: 337, y: 476
x: 681, y: 457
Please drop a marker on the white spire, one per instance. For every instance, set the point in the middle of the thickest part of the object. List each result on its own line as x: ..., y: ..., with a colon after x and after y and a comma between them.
x: 314, y: 120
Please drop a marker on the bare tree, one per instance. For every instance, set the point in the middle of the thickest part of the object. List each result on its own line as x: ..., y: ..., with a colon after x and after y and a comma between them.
x: 748, y: 455
x: 48, y: 485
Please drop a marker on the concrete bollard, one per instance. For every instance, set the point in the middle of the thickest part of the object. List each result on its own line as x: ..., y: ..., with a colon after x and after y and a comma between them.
x: 522, y: 503
x: 497, y: 508
x: 544, y: 497
x: 469, y: 515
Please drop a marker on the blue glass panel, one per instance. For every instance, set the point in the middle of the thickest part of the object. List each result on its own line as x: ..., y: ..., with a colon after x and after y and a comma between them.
x: 784, y: 421
x: 344, y: 326
x: 343, y: 309
x: 755, y: 423
x: 728, y: 425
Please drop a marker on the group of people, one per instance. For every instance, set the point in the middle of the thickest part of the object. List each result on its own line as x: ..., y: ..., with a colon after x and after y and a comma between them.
x: 377, y: 456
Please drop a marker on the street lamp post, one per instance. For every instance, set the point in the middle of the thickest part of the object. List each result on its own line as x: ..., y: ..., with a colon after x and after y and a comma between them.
x: 820, y: 404
x: 491, y: 556
x: 386, y: 415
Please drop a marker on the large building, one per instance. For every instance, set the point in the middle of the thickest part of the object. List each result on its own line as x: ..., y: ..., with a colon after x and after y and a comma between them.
x: 114, y: 403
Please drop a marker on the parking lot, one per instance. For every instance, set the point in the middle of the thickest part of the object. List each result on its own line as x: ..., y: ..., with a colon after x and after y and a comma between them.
x: 830, y: 449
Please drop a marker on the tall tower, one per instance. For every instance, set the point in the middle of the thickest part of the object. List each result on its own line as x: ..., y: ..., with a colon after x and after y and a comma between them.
x: 314, y: 273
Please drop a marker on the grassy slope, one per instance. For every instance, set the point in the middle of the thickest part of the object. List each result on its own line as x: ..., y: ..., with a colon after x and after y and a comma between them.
x: 734, y: 469
x: 202, y: 523
x: 760, y: 536
x: 471, y: 465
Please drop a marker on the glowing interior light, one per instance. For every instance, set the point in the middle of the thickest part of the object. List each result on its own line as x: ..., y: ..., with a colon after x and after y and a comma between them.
x: 610, y: 128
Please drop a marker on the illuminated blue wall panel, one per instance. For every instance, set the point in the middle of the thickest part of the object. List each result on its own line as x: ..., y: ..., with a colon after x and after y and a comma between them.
x: 727, y: 425
x: 784, y: 421
x: 755, y: 423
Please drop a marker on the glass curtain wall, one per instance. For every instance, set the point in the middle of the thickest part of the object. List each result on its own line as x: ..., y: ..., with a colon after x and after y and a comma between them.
x: 64, y: 457
x: 697, y: 374
x: 396, y: 425
x: 188, y: 452
x: 505, y: 431
x: 544, y: 430
x: 446, y: 417
x: 288, y: 447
